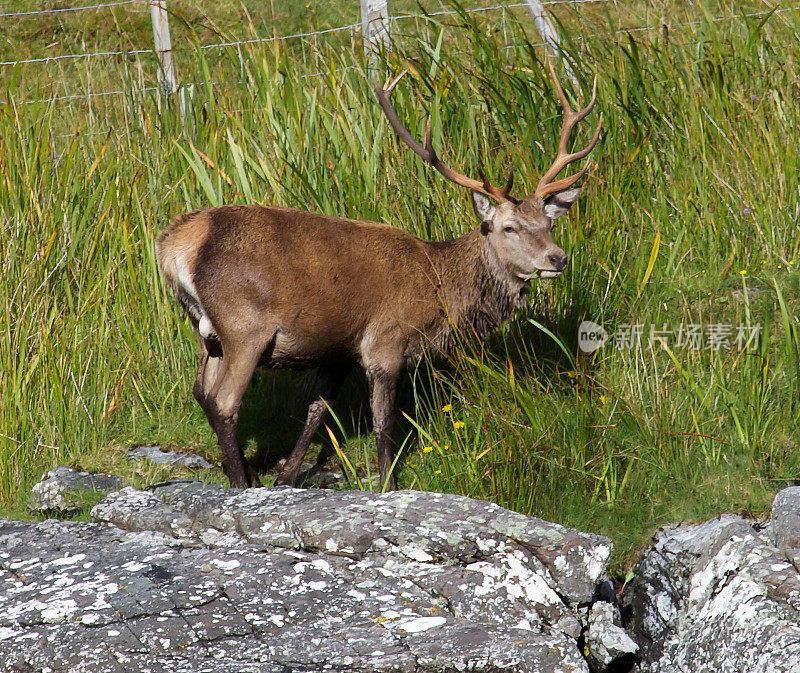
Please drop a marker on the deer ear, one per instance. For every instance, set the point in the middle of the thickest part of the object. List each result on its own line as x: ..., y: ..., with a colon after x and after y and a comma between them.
x: 484, y: 209
x: 559, y: 203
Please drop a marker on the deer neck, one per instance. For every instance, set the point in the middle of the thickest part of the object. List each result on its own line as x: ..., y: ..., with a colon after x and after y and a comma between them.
x: 476, y: 291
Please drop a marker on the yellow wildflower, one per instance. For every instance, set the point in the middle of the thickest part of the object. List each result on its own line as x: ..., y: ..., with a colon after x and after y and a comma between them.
x: 427, y: 449
x: 446, y: 447
x: 447, y: 407
x: 602, y: 399
x: 437, y: 471
x: 743, y: 272
x: 458, y: 425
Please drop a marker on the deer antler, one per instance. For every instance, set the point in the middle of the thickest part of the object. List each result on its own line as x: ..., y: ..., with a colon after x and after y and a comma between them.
x: 428, y: 154
x: 571, y: 118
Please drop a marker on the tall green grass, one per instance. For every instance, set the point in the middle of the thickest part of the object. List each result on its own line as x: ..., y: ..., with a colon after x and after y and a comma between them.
x: 691, y: 216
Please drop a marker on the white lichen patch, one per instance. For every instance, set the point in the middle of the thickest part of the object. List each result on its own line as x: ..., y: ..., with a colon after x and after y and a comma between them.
x: 596, y: 560
x: 509, y: 575
x: 725, y: 562
x: 232, y: 564
x: 68, y: 560
x: 278, y: 620
x: 418, y: 624
x: 58, y: 610
x: 666, y: 607
x: 323, y: 565
x: 486, y: 545
x: 8, y: 633
x: 416, y: 553
x: 24, y: 563
x: 216, y: 538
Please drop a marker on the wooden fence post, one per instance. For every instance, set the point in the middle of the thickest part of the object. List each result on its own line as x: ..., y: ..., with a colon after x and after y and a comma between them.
x: 549, y: 34
x: 374, y: 27
x: 163, y: 45
x: 163, y: 48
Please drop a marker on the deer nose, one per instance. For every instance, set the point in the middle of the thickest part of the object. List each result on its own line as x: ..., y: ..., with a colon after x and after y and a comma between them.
x: 559, y: 261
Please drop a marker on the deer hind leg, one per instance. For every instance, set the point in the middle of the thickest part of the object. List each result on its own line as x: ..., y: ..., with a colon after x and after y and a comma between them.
x: 223, y: 381
x: 326, y: 389
x: 209, y: 362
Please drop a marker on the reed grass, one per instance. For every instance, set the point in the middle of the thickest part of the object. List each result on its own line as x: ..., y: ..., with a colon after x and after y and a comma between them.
x: 690, y: 217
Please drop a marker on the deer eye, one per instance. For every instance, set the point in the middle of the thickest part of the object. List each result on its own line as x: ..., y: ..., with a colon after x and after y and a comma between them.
x: 509, y: 230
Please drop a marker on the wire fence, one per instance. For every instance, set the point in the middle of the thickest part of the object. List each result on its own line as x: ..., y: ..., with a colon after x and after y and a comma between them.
x: 352, y: 27
x: 143, y: 59
x: 126, y: 56
x: 64, y: 10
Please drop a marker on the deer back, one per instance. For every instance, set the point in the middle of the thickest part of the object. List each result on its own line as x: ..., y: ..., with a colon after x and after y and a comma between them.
x: 326, y: 283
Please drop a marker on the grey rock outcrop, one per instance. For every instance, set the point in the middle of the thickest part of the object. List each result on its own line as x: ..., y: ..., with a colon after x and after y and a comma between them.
x: 723, y: 596
x: 64, y: 491
x: 192, y: 577
x: 785, y: 524
x: 607, y: 642
x: 313, y: 475
x: 156, y: 454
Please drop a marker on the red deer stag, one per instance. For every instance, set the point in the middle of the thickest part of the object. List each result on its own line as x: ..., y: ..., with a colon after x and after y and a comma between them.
x: 290, y: 289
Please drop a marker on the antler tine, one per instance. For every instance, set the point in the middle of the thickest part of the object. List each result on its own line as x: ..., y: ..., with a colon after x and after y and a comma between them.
x: 390, y: 83
x: 427, y: 153
x: 509, y: 181
x: 547, y: 185
x: 582, y: 113
x: 505, y: 190
x: 384, y: 100
x: 559, y: 91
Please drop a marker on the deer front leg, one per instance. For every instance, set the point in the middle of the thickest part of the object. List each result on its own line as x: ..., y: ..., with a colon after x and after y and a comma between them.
x: 382, y: 395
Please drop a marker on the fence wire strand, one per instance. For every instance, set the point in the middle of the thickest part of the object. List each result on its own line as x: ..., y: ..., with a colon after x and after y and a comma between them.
x: 62, y: 57
x: 64, y: 10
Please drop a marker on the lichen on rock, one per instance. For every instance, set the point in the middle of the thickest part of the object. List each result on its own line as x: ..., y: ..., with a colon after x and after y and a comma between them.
x: 191, y: 576
x: 722, y: 596
x: 63, y: 490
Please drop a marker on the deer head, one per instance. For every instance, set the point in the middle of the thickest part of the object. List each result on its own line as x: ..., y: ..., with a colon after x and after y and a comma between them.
x: 518, y: 231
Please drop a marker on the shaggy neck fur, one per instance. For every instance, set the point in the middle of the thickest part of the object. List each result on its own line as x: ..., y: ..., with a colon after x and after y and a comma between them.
x: 477, y: 293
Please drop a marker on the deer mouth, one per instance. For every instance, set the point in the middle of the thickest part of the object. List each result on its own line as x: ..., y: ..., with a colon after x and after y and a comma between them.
x: 549, y: 273
x: 540, y: 273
